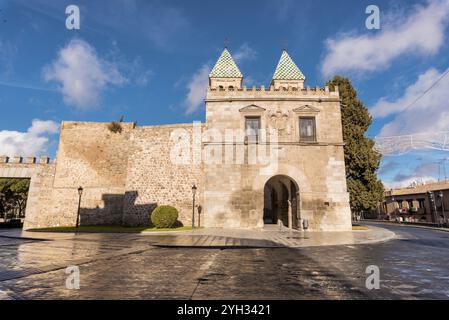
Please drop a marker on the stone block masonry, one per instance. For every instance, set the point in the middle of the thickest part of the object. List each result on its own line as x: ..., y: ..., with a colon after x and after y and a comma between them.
x: 41, y: 175
x: 153, y: 179
x: 123, y: 175
x: 126, y: 174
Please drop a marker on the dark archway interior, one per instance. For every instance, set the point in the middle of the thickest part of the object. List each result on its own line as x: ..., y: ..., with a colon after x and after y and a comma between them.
x: 280, y: 193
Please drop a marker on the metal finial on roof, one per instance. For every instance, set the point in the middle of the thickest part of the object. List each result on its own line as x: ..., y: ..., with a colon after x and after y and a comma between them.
x: 284, y: 44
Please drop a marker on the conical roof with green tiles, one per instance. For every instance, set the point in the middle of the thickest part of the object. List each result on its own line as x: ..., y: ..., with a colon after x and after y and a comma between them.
x: 287, y: 69
x: 225, y: 67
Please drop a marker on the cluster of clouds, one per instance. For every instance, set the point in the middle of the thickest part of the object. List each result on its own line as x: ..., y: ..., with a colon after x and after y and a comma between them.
x: 34, y: 141
x: 82, y: 75
x: 196, y: 89
x: 420, y: 32
x: 414, y: 112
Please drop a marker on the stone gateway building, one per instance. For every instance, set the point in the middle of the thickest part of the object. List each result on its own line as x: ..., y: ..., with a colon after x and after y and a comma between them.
x: 266, y: 155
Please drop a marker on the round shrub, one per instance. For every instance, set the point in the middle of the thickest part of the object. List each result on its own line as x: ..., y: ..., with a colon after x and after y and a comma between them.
x: 164, y: 217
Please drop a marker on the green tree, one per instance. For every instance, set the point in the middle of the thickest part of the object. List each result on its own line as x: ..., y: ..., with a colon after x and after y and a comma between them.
x: 20, y: 189
x: 361, y: 161
x: 13, y: 196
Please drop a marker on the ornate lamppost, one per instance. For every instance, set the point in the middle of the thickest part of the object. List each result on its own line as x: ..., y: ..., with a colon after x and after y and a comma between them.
x: 194, y: 188
x: 80, y: 193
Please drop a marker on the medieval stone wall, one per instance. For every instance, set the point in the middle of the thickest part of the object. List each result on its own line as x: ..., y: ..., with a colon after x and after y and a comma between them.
x: 154, y: 178
x: 95, y: 158
x: 126, y: 174
x: 41, y: 174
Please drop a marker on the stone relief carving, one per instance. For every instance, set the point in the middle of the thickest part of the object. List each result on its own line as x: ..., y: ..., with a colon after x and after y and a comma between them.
x: 280, y: 120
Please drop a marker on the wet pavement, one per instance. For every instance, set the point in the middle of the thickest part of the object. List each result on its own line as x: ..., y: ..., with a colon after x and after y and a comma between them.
x: 414, y: 265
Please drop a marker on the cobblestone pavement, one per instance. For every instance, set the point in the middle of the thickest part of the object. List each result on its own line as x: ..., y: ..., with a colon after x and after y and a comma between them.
x: 414, y: 265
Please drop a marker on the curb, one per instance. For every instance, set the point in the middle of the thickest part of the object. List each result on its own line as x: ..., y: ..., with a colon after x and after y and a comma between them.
x: 405, y: 225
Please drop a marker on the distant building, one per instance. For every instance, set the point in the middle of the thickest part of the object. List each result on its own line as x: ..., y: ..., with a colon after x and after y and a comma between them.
x: 416, y: 204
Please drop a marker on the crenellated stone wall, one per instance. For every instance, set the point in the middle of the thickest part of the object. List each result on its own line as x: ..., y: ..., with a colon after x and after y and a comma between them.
x: 124, y: 175
x: 41, y: 172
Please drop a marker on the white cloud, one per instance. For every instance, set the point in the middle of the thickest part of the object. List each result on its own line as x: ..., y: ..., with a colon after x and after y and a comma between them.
x: 82, y: 75
x: 429, y: 114
x: 244, y: 52
x: 32, y: 142
x: 421, y: 33
x: 197, y: 86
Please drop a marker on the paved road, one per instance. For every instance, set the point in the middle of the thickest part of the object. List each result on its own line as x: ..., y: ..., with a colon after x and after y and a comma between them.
x: 415, y: 265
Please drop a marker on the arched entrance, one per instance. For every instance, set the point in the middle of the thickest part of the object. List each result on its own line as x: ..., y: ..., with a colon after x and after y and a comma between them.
x: 281, y: 201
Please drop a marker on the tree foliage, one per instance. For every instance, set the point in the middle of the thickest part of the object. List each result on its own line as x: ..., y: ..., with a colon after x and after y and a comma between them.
x: 13, y: 196
x: 361, y: 161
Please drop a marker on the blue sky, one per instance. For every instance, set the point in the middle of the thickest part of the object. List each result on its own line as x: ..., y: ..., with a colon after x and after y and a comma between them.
x: 148, y: 61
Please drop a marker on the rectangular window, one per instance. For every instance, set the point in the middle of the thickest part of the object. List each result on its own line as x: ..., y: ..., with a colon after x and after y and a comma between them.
x: 252, y: 127
x: 307, y: 129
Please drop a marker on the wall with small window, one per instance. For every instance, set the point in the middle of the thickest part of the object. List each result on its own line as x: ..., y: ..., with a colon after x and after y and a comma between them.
x: 252, y: 128
x: 307, y: 129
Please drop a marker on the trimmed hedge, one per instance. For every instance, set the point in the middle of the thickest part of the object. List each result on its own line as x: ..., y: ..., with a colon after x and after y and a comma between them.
x: 164, y: 217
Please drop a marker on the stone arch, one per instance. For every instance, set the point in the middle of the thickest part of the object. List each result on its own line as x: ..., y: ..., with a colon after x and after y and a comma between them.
x: 281, y: 201
x: 293, y: 172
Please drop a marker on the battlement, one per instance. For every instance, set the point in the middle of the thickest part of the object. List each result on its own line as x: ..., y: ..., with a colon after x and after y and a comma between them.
x: 25, y: 160
x: 268, y: 92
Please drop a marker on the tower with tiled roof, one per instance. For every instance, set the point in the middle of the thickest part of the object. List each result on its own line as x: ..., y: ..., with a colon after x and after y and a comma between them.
x: 287, y: 73
x: 225, y: 74
x: 274, y: 152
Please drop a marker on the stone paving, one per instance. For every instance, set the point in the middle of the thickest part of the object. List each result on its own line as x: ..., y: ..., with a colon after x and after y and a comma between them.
x: 414, y: 265
x: 275, y: 237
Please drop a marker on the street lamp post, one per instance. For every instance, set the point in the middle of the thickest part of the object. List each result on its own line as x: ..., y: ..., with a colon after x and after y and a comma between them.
x: 193, y: 205
x: 199, y: 216
x: 433, y: 206
x: 394, y: 207
x: 80, y: 192
x: 441, y: 196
